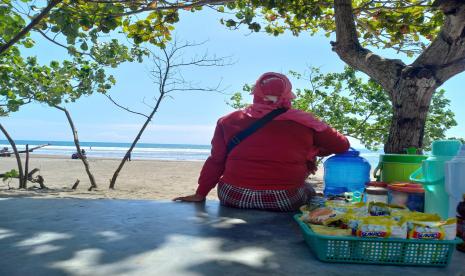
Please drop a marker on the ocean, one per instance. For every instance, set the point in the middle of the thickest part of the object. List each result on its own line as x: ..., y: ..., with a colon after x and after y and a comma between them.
x: 145, y: 151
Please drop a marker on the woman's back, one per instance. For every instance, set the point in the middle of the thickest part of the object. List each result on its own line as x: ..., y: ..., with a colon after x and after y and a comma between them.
x: 274, y: 157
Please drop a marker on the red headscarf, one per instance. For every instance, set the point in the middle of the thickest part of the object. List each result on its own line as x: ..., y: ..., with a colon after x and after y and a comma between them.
x: 274, y: 90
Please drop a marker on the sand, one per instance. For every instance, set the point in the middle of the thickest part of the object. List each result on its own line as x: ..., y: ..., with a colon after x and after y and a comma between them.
x: 139, y: 179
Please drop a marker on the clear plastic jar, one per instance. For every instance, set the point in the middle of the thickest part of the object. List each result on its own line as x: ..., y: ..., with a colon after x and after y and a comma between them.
x: 376, y: 194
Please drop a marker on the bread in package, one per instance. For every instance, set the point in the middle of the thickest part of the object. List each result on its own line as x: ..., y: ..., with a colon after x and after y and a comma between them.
x: 381, y: 227
x: 432, y: 230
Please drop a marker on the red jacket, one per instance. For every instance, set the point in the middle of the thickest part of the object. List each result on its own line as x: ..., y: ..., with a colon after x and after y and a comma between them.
x: 275, y: 157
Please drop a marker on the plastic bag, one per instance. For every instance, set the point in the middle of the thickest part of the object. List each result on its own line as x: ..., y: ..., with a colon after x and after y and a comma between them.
x: 343, y: 207
x: 318, y: 216
x: 381, y: 227
x: 383, y: 209
x: 330, y: 231
x: 433, y: 230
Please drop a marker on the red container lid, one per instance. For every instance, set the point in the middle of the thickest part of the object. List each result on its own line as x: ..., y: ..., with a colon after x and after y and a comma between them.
x: 376, y: 184
x: 407, y: 188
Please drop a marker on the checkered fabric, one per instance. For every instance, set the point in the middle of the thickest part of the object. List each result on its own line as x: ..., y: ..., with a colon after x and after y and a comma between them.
x: 272, y: 200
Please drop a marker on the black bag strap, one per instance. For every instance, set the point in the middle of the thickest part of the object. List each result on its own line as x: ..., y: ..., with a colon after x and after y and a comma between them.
x: 236, y: 139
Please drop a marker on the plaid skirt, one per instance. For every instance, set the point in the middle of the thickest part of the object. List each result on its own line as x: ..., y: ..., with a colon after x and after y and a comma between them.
x: 272, y: 200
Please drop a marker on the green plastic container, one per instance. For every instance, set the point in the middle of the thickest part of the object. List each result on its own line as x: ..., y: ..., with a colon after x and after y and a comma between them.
x: 378, y: 251
x: 397, y: 167
x: 432, y: 176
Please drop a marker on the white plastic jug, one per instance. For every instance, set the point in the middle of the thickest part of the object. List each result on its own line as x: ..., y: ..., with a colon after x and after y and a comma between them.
x: 455, y: 180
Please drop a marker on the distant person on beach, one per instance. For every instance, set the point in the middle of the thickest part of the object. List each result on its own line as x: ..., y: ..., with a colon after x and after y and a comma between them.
x: 4, y: 152
x: 128, y: 156
x: 267, y: 169
x: 76, y: 155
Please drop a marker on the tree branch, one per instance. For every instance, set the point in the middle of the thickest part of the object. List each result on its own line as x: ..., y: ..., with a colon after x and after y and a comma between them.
x: 347, y: 46
x: 83, y: 158
x: 62, y: 45
x: 125, y: 108
x: 154, y: 7
x: 18, y: 158
x: 166, y: 76
x: 447, y: 71
x: 31, y: 25
x: 446, y: 54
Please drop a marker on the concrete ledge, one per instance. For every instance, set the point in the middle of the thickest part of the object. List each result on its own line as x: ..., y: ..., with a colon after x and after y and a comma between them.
x: 138, y: 237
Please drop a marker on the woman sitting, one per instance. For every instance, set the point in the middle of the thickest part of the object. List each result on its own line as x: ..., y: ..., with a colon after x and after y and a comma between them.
x: 267, y: 169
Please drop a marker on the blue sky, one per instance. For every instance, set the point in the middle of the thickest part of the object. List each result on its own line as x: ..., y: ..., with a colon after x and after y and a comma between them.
x: 189, y: 117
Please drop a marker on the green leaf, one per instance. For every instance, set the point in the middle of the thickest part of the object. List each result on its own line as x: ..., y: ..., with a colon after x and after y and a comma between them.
x: 84, y: 46
x: 28, y: 43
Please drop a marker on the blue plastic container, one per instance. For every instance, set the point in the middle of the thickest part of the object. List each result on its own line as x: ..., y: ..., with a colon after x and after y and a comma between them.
x: 346, y: 172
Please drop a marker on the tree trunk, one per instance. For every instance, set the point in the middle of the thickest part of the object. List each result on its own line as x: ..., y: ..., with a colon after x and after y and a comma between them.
x: 75, y: 184
x: 18, y: 158
x: 26, y: 167
x: 126, y: 156
x: 410, y: 99
x: 93, y: 184
x: 410, y: 87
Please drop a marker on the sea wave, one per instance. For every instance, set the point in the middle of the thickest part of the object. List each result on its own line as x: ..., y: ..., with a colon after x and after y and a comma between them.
x: 142, y: 151
x: 155, y: 153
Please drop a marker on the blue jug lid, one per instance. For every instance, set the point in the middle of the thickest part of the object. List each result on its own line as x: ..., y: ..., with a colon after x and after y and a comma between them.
x: 350, y: 153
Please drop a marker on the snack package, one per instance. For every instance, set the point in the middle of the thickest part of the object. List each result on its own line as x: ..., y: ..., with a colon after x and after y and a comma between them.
x: 318, y: 216
x: 381, y: 227
x: 433, y: 230
x: 343, y: 207
x: 347, y: 220
x: 352, y: 220
x: 383, y: 209
x: 414, y: 216
x: 330, y: 231
x: 335, y: 221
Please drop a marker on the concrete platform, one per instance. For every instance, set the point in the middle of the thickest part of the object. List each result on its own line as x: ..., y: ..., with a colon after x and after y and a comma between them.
x: 127, y: 237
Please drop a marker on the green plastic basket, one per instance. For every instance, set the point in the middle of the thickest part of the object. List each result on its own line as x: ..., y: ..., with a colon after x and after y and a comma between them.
x: 378, y: 251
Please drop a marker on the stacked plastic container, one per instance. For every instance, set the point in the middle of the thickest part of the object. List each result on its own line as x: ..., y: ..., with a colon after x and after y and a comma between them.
x: 397, y: 167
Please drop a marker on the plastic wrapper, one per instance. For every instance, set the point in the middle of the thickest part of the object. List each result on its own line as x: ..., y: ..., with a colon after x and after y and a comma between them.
x: 383, y: 209
x: 330, y: 231
x: 381, y: 227
x: 433, y: 230
x: 352, y: 220
x: 318, y: 216
x: 343, y: 207
x: 413, y: 216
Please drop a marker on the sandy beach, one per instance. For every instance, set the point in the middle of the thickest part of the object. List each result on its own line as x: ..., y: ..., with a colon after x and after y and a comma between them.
x: 139, y: 179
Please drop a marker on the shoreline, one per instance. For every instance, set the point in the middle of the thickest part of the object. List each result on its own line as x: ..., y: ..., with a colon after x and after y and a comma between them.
x: 66, y: 157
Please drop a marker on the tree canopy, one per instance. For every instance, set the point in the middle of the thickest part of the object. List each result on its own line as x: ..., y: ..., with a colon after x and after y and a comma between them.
x: 24, y: 80
x: 405, y: 25
x: 431, y: 30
